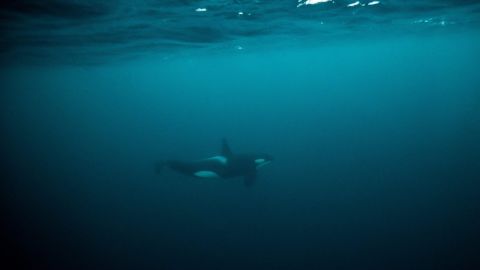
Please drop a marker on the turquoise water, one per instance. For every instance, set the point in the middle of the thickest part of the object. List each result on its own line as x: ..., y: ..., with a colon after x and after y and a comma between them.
x: 371, y: 110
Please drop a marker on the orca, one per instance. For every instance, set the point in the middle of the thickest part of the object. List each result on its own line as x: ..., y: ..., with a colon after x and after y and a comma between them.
x: 225, y: 165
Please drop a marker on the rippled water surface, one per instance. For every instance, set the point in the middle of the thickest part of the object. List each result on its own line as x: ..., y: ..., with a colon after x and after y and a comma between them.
x: 92, y: 31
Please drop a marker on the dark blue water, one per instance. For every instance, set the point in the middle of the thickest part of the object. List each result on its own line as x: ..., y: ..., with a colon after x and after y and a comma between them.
x: 371, y: 110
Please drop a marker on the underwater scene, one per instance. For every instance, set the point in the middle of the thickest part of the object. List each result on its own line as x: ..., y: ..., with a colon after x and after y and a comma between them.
x: 240, y: 134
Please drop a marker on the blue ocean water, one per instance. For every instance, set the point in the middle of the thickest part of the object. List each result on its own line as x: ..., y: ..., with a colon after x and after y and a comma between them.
x: 370, y: 108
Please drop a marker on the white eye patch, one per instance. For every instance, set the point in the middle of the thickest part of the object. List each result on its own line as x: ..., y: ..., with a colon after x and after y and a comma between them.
x: 259, y: 165
x: 259, y: 160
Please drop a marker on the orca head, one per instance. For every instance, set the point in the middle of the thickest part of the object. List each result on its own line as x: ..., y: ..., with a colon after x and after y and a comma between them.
x: 262, y: 160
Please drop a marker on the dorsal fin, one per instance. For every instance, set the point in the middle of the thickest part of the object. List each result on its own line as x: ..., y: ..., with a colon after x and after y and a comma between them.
x: 226, y: 151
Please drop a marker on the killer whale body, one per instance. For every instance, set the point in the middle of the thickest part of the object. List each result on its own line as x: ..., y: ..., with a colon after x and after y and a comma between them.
x: 225, y: 165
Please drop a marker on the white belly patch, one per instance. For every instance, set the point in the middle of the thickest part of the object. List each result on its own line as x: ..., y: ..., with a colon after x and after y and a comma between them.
x: 206, y: 174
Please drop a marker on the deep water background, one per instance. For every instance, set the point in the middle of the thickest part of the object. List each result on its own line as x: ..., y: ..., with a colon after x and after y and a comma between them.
x: 376, y: 144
